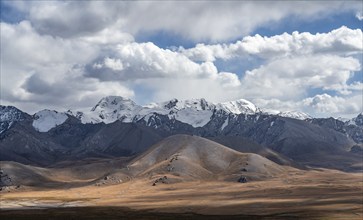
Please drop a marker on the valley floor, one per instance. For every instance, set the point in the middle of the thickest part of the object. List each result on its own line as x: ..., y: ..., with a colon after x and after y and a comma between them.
x: 319, y: 194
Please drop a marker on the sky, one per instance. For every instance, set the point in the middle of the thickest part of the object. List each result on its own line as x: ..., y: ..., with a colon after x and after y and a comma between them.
x: 281, y: 55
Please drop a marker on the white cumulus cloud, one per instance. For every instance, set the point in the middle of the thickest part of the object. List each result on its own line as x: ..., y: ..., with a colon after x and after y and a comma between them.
x: 339, y: 41
x: 331, y: 105
x: 359, y: 16
x: 134, y: 61
x: 68, y: 54
x: 199, y: 21
x: 292, y: 77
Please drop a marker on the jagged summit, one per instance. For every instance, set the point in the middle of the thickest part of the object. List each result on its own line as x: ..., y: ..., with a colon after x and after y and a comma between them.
x: 196, y: 112
x: 9, y: 115
x: 199, y: 104
x: 113, y: 102
x: 110, y: 109
x: 357, y: 120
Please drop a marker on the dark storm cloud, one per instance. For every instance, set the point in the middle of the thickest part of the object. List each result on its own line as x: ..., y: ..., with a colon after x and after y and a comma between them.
x: 35, y: 84
x: 74, y: 18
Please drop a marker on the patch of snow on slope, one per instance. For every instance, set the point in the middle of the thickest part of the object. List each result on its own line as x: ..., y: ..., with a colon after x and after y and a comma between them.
x: 196, y: 112
x: 225, y: 124
x: 47, y: 119
x: 196, y: 118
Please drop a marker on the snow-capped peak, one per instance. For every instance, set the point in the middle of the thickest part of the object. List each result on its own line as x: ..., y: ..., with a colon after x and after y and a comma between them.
x: 197, y: 104
x: 295, y: 114
x: 195, y: 112
x: 114, y: 102
x: 240, y: 106
x: 358, y: 121
x: 287, y: 114
x: 47, y: 119
x: 110, y: 109
x: 10, y: 113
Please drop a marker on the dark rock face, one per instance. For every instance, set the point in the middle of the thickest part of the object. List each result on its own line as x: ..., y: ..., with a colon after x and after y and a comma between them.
x: 5, y: 180
x: 118, y: 139
x: 163, y: 179
x: 8, y: 116
x: 242, y: 179
x: 22, y: 143
x: 171, y: 104
x: 355, y: 132
x: 330, y: 123
x: 353, y: 129
x: 72, y: 132
x: 203, y: 104
x: 357, y: 149
x: 359, y: 120
x: 163, y: 124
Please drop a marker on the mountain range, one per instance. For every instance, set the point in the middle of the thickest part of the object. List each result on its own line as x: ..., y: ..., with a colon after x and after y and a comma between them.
x: 117, y: 127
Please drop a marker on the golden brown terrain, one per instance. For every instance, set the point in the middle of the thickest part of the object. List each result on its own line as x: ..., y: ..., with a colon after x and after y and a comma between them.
x: 316, y: 194
x: 182, y: 177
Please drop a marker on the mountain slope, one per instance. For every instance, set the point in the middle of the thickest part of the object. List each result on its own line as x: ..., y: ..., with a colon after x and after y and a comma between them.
x: 192, y: 157
x: 245, y: 145
x: 62, y: 176
x: 178, y: 157
x: 22, y: 143
x: 352, y: 128
x: 73, y: 140
x: 312, y: 142
x: 118, y: 139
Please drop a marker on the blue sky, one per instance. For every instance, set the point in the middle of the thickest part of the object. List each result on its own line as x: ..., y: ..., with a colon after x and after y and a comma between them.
x: 289, y: 24
x: 10, y: 14
x: 165, y: 39
x: 87, y: 50
x: 318, y: 25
